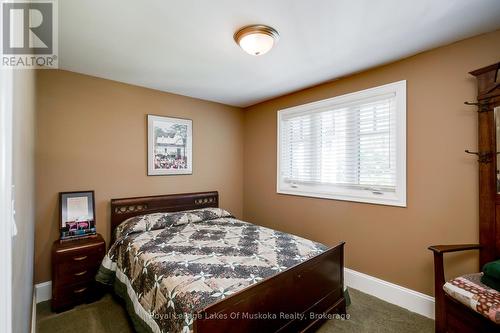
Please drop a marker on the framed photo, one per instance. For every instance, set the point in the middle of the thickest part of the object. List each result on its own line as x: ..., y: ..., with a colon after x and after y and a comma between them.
x: 77, y: 214
x: 170, y: 146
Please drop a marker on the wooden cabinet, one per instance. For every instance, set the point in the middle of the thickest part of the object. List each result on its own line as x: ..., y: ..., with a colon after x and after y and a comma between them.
x: 74, y: 266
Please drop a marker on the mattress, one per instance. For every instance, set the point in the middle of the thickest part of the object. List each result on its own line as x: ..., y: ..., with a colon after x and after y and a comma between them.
x: 169, y: 266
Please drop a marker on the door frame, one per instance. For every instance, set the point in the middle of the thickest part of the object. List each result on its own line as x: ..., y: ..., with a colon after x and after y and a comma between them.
x: 6, y: 204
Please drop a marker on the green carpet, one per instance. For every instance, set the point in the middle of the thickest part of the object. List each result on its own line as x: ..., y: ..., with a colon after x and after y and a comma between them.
x: 367, y: 314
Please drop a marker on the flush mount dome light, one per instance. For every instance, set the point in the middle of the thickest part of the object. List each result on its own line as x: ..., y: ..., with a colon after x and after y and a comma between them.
x: 256, y: 39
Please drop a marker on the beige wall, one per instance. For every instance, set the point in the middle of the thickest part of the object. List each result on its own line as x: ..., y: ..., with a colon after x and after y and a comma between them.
x: 389, y: 242
x: 91, y: 134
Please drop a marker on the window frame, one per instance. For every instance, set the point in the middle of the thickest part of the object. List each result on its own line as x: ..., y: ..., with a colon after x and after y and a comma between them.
x: 343, y: 193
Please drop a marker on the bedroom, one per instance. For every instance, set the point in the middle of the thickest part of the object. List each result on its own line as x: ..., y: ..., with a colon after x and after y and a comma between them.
x: 348, y: 126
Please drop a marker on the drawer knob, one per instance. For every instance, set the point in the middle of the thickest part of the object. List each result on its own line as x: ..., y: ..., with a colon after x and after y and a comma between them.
x: 80, y: 258
x: 81, y: 290
x: 80, y: 273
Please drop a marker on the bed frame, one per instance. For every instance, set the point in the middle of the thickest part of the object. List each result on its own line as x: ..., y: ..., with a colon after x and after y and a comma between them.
x: 308, y: 293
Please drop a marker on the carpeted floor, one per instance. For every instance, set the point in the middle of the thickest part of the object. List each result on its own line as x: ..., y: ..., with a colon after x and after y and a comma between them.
x: 367, y: 314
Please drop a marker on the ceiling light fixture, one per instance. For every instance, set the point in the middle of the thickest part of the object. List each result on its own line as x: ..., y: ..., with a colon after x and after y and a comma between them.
x: 256, y: 39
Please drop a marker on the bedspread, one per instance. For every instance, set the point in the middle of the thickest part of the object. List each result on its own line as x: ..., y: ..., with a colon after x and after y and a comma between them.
x: 169, y: 266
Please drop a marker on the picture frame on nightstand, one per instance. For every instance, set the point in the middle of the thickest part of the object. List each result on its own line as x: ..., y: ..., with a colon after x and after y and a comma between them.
x: 76, y: 214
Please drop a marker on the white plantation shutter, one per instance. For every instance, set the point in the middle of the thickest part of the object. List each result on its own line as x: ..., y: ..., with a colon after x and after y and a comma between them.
x: 347, y: 146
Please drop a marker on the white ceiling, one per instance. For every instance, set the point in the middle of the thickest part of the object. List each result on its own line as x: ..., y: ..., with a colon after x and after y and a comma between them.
x: 186, y: 46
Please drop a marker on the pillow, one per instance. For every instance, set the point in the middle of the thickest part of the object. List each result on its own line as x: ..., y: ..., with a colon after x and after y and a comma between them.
x: 156, y: 221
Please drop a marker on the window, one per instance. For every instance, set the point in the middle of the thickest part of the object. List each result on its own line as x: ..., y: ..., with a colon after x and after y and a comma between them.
x: 351, y: 147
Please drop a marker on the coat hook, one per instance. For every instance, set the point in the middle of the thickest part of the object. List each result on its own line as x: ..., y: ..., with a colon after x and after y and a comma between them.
x: 482, y: 107
x: 482, y: 157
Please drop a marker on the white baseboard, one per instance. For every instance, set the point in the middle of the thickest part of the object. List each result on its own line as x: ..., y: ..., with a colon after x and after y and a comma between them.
x: 43, y: 291
x: 403, y: 297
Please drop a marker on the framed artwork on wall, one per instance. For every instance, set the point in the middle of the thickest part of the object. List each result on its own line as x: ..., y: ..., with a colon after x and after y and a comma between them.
x: 77, y: 214
x: 170, y: 146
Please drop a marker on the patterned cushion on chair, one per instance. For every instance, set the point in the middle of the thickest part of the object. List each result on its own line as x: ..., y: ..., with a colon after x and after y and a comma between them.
x: 469, y: 290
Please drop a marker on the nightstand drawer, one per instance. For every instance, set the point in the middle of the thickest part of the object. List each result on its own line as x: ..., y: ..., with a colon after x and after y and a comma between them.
x: 81, y: 254
x: 71, y: 275
x: 79, y: 262
x: 78, y: 293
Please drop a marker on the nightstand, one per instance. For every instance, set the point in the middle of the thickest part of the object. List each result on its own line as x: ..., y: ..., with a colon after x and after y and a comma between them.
x: 74, y: 266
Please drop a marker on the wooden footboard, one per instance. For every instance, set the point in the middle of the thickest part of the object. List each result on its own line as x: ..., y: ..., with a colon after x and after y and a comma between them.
x: 296, y: 300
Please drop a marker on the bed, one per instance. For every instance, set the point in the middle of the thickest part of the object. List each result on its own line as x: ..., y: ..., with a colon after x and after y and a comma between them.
x: 182, y: 264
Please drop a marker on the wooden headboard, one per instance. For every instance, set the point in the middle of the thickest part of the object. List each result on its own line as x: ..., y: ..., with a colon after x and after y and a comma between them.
x: 122, y: 209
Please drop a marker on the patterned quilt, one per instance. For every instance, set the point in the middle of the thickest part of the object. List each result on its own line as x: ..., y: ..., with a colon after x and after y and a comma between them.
x: 470, y: 291
x: 169, y: 266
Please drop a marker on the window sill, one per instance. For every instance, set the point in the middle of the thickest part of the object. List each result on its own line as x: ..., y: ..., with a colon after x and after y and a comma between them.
x: 391, y: 201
